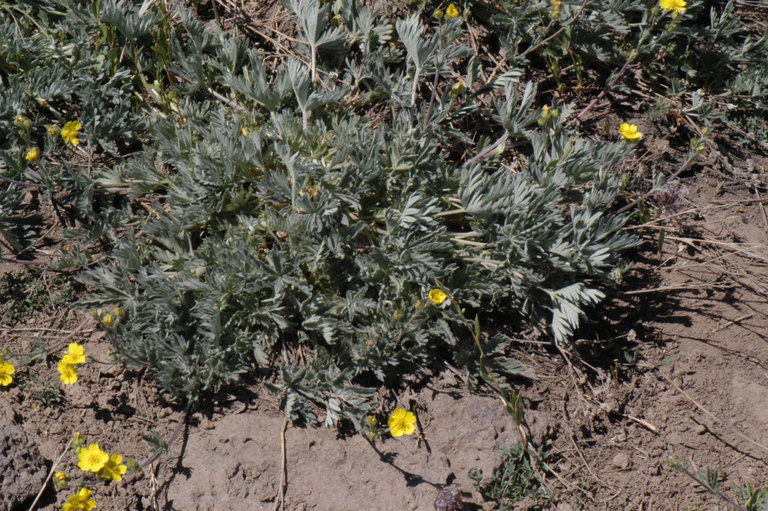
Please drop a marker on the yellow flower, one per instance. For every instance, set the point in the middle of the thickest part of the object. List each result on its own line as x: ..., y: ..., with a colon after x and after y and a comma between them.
x: 456, y: 89
x: 438, y: 14
x: 80, y: 501
x: 69, y: 133
x: 92, y: 458
x: 108, y: 319
x: 113, y: 469
x: 401, y: 422
x: 629, y: 132
x: 61, y: 476
x: 673, y: 5
x: 6, y: 370
x: 33, y: 155
x: 75, y: 356
x: 437, y: 297
x: 452, y: 11
x: 67, y: 373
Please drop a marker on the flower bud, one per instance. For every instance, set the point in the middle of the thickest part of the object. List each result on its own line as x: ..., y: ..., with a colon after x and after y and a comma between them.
x: 456, y: 89
x: 22, y: 122
x: 554, y: 11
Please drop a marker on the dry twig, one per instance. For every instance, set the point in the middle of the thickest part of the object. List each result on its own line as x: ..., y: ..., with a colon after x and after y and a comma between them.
x: 280, y: 499
x: 50, y: 474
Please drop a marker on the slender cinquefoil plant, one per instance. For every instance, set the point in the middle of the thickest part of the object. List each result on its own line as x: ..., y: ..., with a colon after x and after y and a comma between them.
x: 290, y: 219
x: 294, y: 220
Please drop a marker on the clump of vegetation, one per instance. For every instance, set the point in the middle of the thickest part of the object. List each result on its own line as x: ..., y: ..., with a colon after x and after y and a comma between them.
x: 515, y: 479
x: 290, y: 219
x: 45, y: 392
x: 24, y: 292
x: 751, y: 498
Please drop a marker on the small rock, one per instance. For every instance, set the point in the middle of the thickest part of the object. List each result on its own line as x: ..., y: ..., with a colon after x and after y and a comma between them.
x: 449, y: 499
x: 701, y: 429
x: 206, y: 424
x: 621, y: 461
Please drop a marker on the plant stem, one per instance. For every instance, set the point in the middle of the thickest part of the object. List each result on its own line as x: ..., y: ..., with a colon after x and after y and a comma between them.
x: 513, y: 406
x: 314, y: 65
x: 416, y: 74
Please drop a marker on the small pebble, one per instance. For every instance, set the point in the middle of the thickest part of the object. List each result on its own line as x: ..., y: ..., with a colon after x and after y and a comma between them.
x: 206, y: 424
x: 701, y: 429
x: 621, y: 461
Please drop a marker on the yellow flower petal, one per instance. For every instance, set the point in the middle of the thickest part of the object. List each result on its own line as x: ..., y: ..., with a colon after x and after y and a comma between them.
x: 33, y: 155
x: 92, y: 459
x: 113, y: 468
x: 452, y: 11
x: 629, y: 132
x: 437, y: 297
x: 673, y: 5
x: 401, y: 422
x: 67, y: 373
x: 69, y: 133
x: 75, y: 354
x: 80, y: 501
x: 6, y: 370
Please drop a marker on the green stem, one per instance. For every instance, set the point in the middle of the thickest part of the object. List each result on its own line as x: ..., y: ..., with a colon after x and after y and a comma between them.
x: 513, y: 405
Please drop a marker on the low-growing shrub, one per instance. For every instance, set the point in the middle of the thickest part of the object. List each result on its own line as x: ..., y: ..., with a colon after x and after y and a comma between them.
x: 290, y: 219
x: 295, y: 217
